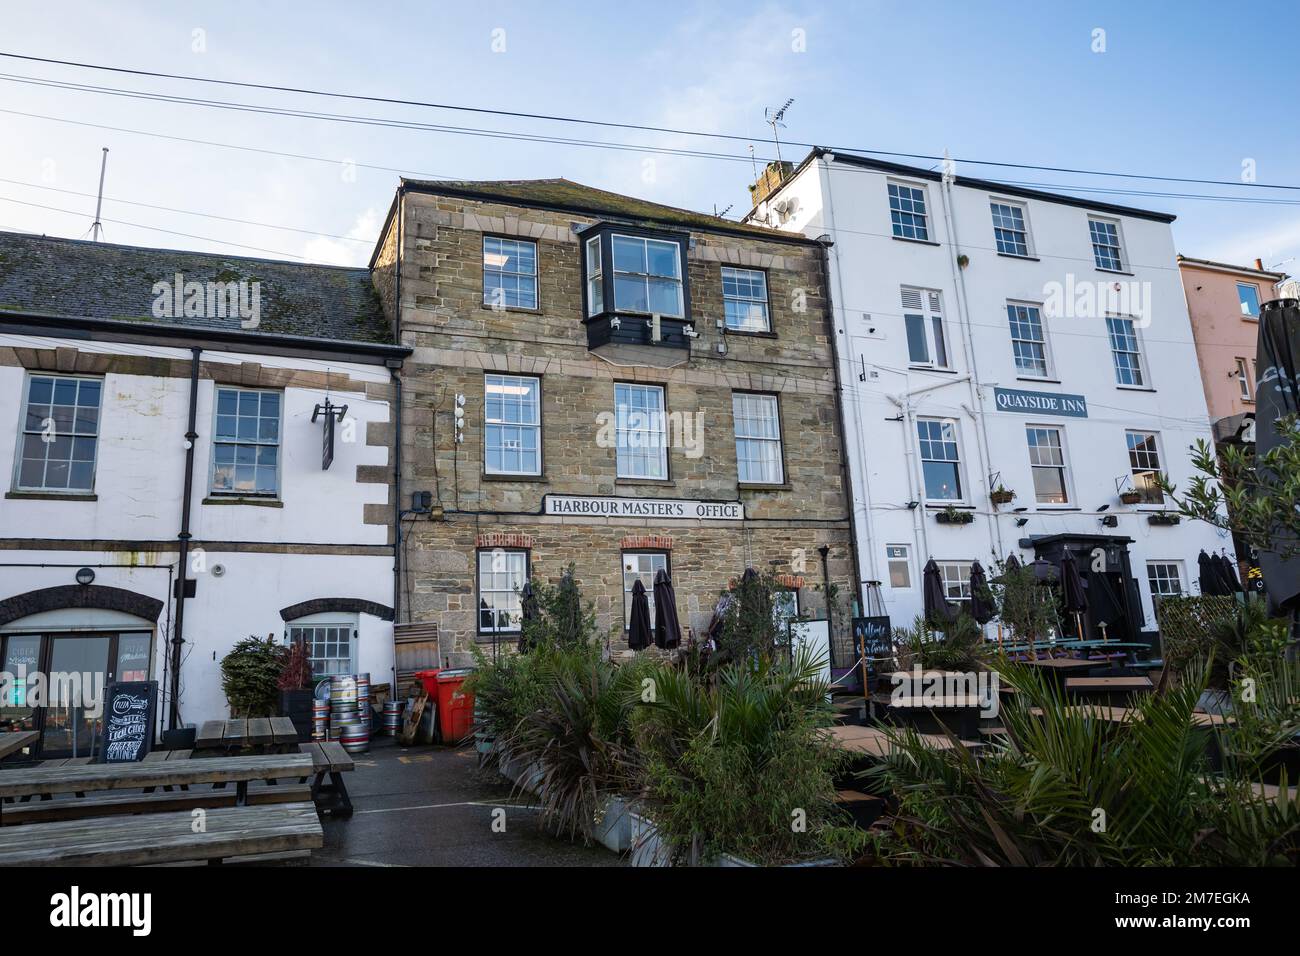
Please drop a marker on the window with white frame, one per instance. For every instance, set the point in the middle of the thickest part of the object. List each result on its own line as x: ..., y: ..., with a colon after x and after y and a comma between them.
x: 1028, y: 341
x: 60, y: 434
x: 502, y: 575
x: 744, y: 299
x: 512, y: 425
x: 595, y: 284
x: 641, y: 566
x: 1248, y: 297
x: 647, y: 275
x: 509, y: 273
x: 1125, y: 350
x: 758, y: 438
x: 1107, y: 251
x: 246, y: 443
x: 956, y: 580
x: 1165, y: 579
x: 1144, y: 460
x: 330, y: 641
x: 907, y: 212
x: 1243, y: 381
x: 940, y: 459
x: 1047, y: 462
x: 899, y: 559
x: 1009, y: 229
x: 923, y: 321
x: 640, y: 432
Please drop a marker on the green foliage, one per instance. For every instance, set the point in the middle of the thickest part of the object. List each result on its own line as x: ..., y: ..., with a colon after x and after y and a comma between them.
x: 737, y: 764
x: 1257, y: 497
x: 1028, y: 608
x: 250, y: 676
x: 296, y: 674
x: 749, y: 629
x: 960, y: 645
x: 1218, y: 633
x: 1064, y: 788
x: 564, y: 619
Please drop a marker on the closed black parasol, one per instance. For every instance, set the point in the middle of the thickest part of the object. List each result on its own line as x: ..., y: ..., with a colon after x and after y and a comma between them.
x: 1209, y: 576
x: 1229, y: 573
x: 529, y: 612
x: 1275, y: 396
x: 1073, y: 594
x: 668, y: 629
x: 937, y: 609
x: 638, y: 630
x: 982, y: 606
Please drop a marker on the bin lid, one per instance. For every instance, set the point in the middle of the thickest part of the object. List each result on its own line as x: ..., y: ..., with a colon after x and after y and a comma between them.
x: 458, y: 673
x: 429, y: 673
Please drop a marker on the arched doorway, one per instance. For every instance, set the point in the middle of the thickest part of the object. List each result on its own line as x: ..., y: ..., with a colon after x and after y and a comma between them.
x: 59, y: 648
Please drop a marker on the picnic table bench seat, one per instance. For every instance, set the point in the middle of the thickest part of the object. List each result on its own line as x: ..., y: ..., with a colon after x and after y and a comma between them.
x: 163, y: 837
x: 330, y: 759
x: 121, y: 804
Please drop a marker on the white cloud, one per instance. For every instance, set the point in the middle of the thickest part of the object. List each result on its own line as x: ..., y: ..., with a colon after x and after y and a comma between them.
x: 336, y: 252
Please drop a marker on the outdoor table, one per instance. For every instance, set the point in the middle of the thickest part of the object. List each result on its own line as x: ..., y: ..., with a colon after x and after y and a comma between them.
x: 47, y: 781
x: 874, y: 743
x: 16, y: 741
x: 216, y: 736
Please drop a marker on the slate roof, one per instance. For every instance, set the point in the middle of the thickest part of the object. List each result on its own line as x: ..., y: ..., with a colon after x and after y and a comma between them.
x: 566, y: 194
x: 99, y: 280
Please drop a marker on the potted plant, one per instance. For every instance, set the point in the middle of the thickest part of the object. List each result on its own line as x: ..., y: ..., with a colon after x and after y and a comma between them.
x: 1001, y: 495
x: 950, y: 515
x: 250, y: 676
x: 1130, y: 497
x: 295, y: 684
x: 1163, y: 517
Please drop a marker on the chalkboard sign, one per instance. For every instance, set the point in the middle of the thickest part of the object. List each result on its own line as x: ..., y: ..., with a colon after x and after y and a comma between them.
x: 873, y: 638
x: 127, y: 727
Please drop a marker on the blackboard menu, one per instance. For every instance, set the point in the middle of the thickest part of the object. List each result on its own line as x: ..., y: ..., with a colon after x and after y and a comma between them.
x: 127, y: 728
x: 873, y: 639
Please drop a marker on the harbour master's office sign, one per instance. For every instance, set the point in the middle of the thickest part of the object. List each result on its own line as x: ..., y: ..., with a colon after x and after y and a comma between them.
x: 585, y: 506
x: 1040, y: 403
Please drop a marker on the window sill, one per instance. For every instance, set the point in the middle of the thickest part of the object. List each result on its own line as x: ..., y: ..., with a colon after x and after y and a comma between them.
x: 510, y: 308
x: 1113, y: 272
x: 919, y: 242
x: 1135, y: 388
x: 485, y: 476
x: 1040, y: 381
x: 763, y: 486
x: 955, y: 505
x: 51, y: 496
x: 749, y: 333
x: 1057, y: 508
x: 255, y: 502
x: 500, y: 636
x: 654, y: 482
x: 1012, y: 255
x: 932, y: 368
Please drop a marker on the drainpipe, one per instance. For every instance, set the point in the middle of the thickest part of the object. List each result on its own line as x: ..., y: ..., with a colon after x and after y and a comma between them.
x: 178, y: 633
x: 968, y: 344
x: 397, y: 411
x: 845, y: 468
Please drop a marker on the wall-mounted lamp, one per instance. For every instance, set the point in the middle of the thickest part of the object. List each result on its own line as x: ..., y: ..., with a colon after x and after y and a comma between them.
x: 912, y: 505
x: 1110, y: 521
x: 85, y: 575
x: 1021, y: 522
x: 1101, y: 508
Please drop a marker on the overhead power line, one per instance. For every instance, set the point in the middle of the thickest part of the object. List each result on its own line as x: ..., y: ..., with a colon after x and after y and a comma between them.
x: 584, y: 121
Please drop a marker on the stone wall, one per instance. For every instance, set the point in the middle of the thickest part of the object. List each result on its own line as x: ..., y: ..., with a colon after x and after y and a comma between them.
x: 456, y: 339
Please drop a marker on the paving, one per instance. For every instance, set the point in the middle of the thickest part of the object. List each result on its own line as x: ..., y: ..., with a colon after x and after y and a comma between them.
x: 433, y: 806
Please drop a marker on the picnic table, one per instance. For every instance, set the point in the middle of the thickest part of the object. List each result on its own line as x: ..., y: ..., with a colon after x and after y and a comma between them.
x: 329, y: 758
x: 873, y: 742
x: 15, y: 741
x: 47, y: 781
x: 236, y: 734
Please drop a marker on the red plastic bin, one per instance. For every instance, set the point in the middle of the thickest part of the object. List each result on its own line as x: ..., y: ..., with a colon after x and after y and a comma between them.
x: 455, y: 706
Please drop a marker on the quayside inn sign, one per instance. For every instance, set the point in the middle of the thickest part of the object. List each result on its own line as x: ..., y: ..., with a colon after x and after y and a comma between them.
x: 1040, y: 403
x: 583, y: 506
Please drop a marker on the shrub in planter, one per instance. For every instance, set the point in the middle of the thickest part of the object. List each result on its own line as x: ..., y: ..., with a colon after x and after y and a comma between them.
x: 1002, y: 496
x: 737, y: 765
x: 250, y: 676
x: 1130, y: 497
x: 951, y: 515
x: 295, y: 683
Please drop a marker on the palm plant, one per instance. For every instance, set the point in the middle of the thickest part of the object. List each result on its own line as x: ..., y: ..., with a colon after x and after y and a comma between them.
x: 741, y: 765
x: 1067, y: 787
x: 962, y: 648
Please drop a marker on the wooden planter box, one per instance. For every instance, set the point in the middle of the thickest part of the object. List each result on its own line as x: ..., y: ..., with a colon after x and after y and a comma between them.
x: 1130, y: 498
x: 1002, y: 497
x: 1162, y: 518
x: 961, y: 517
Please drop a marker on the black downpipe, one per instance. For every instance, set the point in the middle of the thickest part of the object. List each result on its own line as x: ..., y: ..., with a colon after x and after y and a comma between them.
x: 178, y: 633
x: 397, y: 410
x: 845, y: 465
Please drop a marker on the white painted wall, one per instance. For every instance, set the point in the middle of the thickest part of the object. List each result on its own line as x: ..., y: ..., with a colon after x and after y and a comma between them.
x: 139, y: 473
x: 850, y: 205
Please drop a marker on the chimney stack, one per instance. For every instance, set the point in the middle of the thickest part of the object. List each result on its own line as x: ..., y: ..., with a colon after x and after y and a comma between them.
x: 770, y: 181
x: 1259, y: 265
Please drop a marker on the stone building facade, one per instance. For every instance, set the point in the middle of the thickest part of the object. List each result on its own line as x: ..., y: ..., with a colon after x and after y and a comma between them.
x: 586, y: 435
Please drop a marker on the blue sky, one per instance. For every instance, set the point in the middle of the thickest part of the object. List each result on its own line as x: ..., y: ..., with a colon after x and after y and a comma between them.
x: 1183, y: 89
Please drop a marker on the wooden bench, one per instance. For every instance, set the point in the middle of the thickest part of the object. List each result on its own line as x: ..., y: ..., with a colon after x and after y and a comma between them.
x: 1114, y: 690
x: 329, y: 758
x: 132, y: 803
x: 45, y: 782
x: 164, y: 837
x: 14, y: 741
